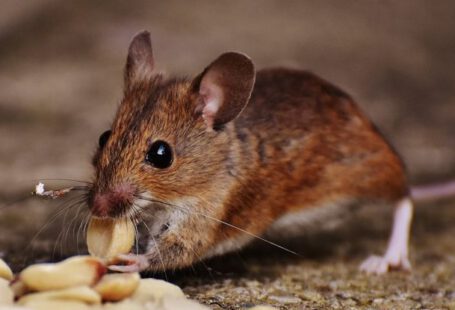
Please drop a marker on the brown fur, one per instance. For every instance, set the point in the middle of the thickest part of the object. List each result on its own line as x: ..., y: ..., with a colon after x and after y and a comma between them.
x: 300, y: 142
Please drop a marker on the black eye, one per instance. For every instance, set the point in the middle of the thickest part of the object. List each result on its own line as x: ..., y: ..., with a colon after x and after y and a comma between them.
x: 159, y: 155
x: 103, y: 138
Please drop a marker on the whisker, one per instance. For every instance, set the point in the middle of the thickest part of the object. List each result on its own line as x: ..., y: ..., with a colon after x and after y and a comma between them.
x: 70, y: 232
x: 79, y: 231
x: 136, y: 233
x: 75, y: 218
x: 73, y: 224
x: 50, y: 221
x: 159, y: 256
x: 62, y: 238
x: 221, y: 222
x: 82, y: 230
x: 87, y: 221
x: 70, y: 204
x: 249, y: 233
x: 200, y: 260
x: 70, y: 180
x: 154, y: 242
x: 76, y: 188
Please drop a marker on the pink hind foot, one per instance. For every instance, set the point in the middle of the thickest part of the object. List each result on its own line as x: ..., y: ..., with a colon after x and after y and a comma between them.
x: 396, y: 256
x: 381, y: 264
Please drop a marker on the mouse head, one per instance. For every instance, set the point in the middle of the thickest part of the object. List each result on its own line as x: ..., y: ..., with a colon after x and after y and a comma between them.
x: 169, y: 142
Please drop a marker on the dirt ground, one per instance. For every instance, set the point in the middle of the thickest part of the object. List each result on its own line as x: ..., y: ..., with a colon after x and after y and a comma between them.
x: 60, y: 81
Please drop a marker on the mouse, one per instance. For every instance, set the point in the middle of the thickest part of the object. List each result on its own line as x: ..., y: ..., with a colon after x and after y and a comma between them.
x: 209, y: 163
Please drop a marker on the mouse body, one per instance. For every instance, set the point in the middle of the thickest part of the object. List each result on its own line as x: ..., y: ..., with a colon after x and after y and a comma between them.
x: 209, y: 163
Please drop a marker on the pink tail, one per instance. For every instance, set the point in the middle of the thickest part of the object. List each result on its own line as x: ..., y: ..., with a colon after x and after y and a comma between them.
x: 432, y: 192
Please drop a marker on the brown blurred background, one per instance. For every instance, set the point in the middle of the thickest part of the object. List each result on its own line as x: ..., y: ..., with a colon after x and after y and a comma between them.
x: 61, y: 68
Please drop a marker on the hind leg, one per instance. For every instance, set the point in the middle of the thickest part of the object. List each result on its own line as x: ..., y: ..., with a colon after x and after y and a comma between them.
x: 396, y: 255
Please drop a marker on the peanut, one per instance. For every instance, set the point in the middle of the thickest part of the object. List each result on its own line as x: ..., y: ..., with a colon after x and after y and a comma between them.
x: 127, y: 304
x: 152, y: 290
x: 75, y: 271
x: 6, y: 294
x: 115, y: 287
x: 48, y: 304
x: 5, y: 271
x: 107, y: 238
x: 77, y: 294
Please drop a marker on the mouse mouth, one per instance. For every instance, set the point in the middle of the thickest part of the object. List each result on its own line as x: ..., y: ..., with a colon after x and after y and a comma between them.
x: 119, y: 211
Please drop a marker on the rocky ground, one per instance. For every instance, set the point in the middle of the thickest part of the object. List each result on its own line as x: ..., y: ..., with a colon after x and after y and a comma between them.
x: 60, y: 81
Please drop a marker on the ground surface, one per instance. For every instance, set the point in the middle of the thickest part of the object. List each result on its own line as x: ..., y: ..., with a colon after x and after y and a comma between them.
x: 60, y: 81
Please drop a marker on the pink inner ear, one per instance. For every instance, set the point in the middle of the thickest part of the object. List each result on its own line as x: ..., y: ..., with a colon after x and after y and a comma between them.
x: 212, y: 96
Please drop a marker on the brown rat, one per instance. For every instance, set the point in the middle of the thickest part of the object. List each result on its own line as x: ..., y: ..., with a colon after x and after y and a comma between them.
x: 234, y: 152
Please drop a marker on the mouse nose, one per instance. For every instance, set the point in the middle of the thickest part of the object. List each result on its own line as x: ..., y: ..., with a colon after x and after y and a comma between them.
x: 114, y: 202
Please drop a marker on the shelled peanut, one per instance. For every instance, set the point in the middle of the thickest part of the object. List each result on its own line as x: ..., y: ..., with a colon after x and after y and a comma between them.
x: 107, y: 238
x: 81, y: 282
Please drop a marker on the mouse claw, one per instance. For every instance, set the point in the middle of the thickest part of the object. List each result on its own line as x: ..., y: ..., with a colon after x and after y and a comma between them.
x: 130, y: 263
x: 381, y: 264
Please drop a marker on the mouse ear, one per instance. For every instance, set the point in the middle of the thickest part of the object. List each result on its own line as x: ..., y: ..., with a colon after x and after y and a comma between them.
x: 140, y: 62
x: 224, y: 88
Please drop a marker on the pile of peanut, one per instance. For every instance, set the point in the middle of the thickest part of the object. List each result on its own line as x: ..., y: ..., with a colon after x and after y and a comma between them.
x: 81, y: 282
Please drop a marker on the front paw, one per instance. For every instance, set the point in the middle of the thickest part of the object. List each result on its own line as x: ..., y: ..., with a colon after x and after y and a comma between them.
x: 130, y: 263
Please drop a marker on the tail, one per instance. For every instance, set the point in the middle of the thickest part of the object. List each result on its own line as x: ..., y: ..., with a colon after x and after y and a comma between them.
x: 433, y: 192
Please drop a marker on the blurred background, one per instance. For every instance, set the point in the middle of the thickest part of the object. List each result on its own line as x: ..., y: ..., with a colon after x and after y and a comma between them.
x: 61, y: 68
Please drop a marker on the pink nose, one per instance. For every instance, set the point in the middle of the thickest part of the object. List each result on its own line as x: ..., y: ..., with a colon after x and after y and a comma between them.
x: 113, y: 203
